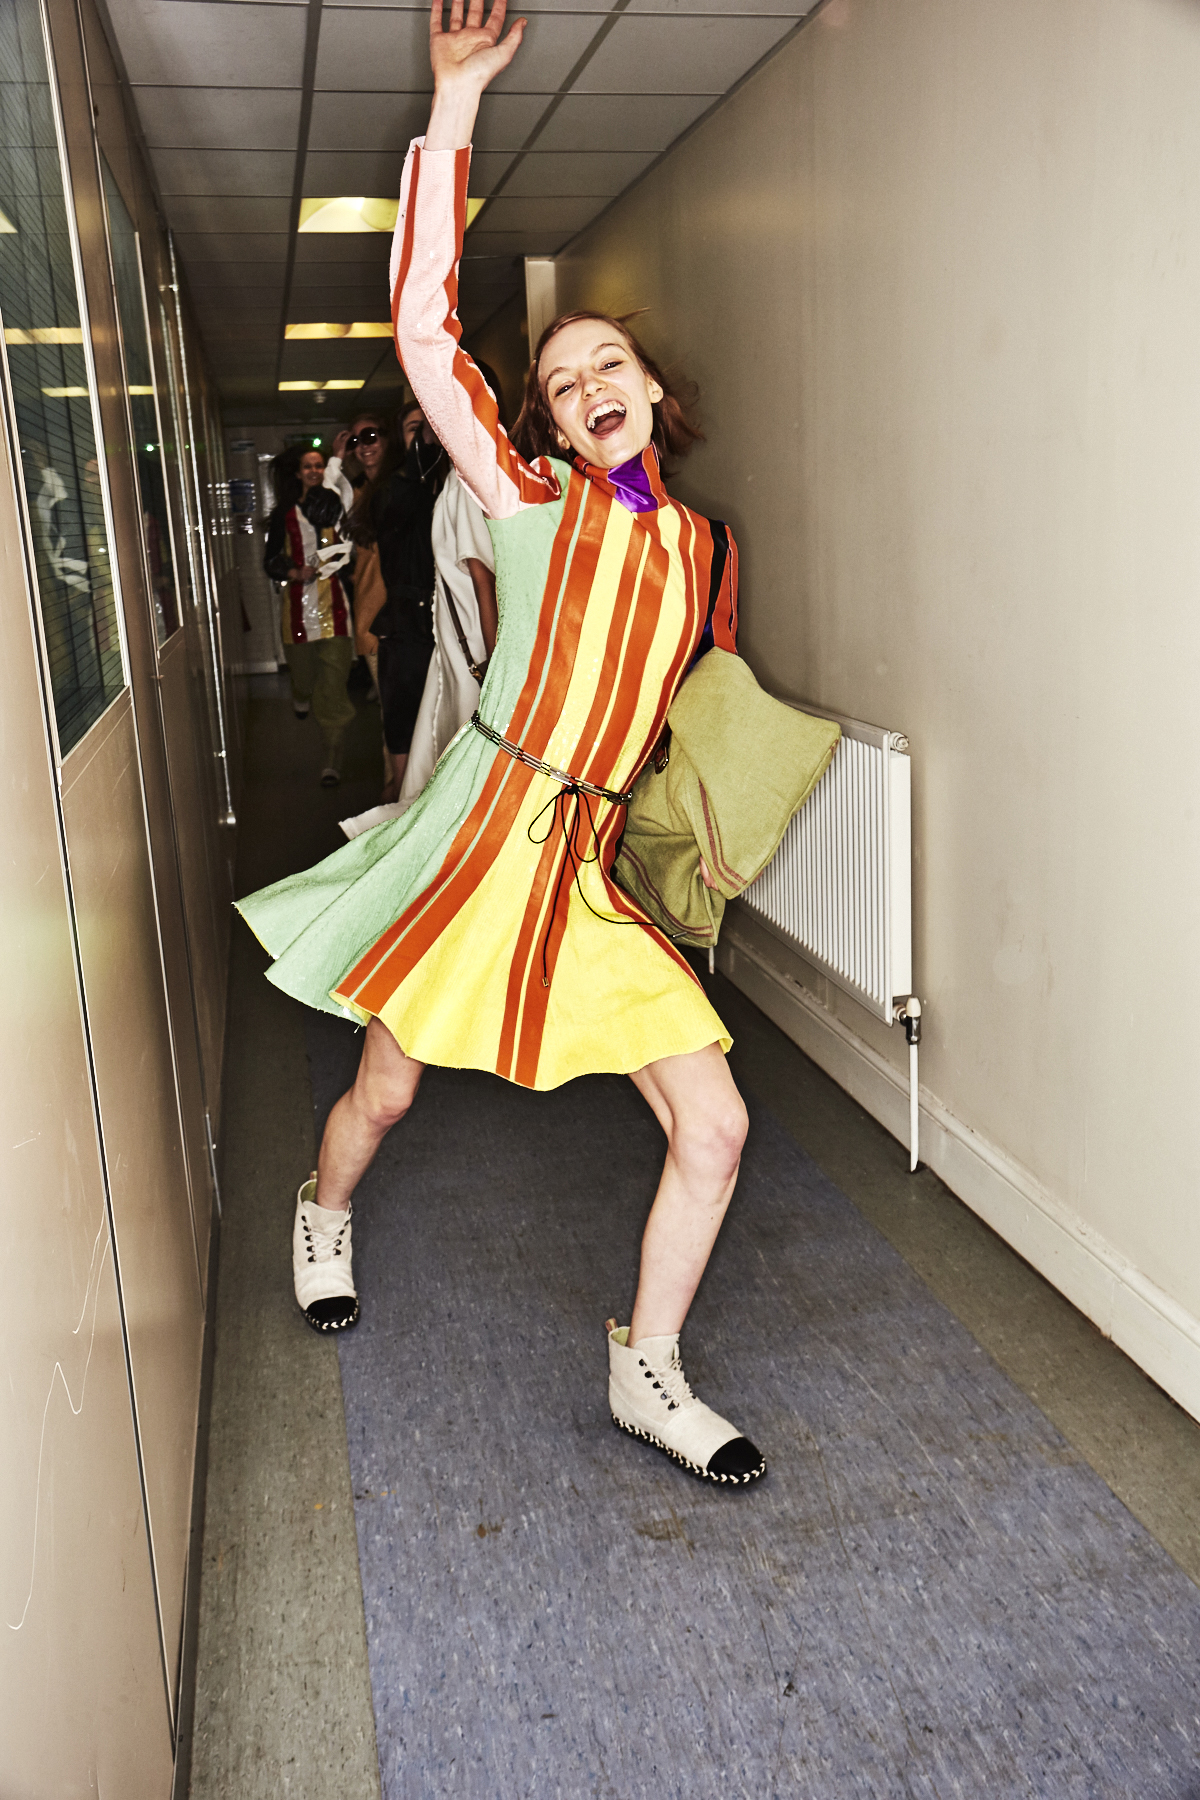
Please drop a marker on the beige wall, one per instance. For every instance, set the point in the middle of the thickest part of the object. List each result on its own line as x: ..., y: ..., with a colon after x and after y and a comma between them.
x: 937, y: 270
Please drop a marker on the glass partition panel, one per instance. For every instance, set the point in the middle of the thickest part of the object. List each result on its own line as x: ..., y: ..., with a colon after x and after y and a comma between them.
x: 143, y: 407
x: 51, y: 388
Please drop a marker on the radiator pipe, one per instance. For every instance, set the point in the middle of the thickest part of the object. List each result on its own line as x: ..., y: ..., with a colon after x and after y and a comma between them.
x: 910, y: 1016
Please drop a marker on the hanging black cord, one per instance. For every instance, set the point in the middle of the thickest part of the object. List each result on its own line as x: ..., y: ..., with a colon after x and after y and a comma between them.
x: 557, y: 804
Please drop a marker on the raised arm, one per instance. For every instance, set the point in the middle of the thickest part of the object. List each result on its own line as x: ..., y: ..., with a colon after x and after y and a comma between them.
x: 424, y: 273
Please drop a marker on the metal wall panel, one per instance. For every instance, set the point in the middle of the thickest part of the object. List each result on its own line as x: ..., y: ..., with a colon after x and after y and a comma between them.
x: 83, y: 1706
x: 191, y: 851
x: 131, y: 1041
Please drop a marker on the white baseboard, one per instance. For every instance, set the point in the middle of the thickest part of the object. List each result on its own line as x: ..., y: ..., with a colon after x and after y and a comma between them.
x: 1151, y: 1328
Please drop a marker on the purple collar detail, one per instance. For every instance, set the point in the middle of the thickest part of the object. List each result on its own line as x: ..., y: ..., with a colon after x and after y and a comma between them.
x: 637, y: 486
x: 631, y: 484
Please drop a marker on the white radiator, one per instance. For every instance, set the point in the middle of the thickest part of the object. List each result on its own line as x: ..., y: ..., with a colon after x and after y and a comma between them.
x: 838, y: 891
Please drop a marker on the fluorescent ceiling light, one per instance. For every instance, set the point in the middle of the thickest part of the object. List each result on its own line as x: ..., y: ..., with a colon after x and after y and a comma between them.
x: 349, y: 213
x: 317, y: 387
x: 357, y: 212
x: 6, y: 223
x: 146, y: 391
x: 362, y: 328
x: 44, y: 334
x: 65, y: 393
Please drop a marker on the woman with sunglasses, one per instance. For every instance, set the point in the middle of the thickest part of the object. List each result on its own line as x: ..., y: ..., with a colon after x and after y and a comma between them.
x: 482, y: 929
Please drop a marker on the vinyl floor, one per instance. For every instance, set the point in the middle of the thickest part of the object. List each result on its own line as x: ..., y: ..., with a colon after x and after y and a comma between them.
x: 932, y: 1594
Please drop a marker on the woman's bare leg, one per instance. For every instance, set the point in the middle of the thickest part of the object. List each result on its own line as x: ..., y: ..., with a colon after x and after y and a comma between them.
x: 696, y: 1103
x: 384, y: 1089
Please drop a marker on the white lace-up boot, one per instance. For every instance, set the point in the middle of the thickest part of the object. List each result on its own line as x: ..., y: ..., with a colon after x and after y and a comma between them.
x: 322, y: 1264
x: 649, y: 1397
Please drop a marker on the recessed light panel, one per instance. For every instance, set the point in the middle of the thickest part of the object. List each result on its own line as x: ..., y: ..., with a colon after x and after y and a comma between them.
x: 44, y: 334
x: 357, y: 212
x: 317, y: 387
x: 350, y: 213
x: 362, y: 328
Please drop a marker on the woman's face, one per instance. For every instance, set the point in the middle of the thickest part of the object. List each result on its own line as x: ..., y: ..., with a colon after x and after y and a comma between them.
x: 600, y: 397
x: 312, y: 469
x: 369, y: 455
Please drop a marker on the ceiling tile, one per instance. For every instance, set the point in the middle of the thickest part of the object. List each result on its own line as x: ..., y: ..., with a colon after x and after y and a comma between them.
x: 218, y: 321
x: 330, y: 172
x: 679, y: 55
x: 366, y: 121
x: 347, y: 303
x: 269, y: 173
x: 226, y: 213
x: 391, y: 48
x: 793, y: 9
x: 196, y: 43
x: 375, y: 121
x: 325, y: 362
x: 562, y: 172
x: 534, y: 6
x: 359, y: 254
x: 254, y: 272
x: 570, y: 214
x: 219, y: 118
x: 553, y: 44
x: 621, y: 121
x: 232, y: 246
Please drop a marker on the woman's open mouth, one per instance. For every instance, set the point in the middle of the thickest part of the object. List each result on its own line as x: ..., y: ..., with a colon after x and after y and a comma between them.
x: 605, y: 419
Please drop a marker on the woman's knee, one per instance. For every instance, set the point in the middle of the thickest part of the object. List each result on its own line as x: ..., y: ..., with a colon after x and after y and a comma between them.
x: 387, y: 1079
x: 384, y: 1102
x: 712, y: 1136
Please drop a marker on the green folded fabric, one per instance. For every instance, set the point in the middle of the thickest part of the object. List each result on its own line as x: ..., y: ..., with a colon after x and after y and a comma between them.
x: 741, y: 765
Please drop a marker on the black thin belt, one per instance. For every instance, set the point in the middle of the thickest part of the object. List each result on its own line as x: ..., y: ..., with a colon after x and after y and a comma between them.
x: 573, y: 783
x: 573, y: 827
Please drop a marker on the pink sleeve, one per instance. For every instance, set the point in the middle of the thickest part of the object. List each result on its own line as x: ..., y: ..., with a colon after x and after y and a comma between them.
x: 457, y: 401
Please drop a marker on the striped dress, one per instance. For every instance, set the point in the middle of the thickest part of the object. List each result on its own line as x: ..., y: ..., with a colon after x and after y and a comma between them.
x: 483, y: 926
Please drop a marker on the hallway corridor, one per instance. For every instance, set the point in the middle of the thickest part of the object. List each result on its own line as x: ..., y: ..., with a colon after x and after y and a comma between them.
x: 440, y: 1547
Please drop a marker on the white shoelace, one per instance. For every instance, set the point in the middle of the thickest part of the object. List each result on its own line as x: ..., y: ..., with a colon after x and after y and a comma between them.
x: 325, y: 1245
x: 673, y: 1383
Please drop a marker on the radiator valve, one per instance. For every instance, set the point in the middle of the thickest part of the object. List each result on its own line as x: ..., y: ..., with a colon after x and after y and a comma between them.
x: 909, y: 1015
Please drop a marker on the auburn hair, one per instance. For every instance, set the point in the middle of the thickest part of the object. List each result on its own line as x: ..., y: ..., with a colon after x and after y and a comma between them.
x: 535, y: 433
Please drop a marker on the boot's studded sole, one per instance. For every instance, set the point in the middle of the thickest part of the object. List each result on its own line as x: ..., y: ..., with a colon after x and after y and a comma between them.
x: 331, y: 1324
x: 648, y: 1437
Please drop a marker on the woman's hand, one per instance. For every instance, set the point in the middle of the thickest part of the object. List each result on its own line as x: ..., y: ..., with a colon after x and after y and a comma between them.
x: 366, y: 643
x: 706, y: 874
x: 306, y: 574
x: 465, y: 57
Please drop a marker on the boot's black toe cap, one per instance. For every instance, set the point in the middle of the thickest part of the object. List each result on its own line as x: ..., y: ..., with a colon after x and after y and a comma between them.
x: 335, y: 1313
x: 737, y: 1461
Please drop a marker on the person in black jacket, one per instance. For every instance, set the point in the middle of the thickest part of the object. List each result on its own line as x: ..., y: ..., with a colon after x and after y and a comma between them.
x: 394, y: 513
x: 307, y: 552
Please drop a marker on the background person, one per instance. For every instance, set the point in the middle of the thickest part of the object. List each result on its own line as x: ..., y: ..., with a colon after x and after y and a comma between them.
x: 465, y: 621
x: 464, y: 630
x: 393, y: 515
x: 316, y: 624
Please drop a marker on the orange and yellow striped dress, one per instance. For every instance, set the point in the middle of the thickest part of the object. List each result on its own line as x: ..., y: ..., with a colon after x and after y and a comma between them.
x: 471, y: 925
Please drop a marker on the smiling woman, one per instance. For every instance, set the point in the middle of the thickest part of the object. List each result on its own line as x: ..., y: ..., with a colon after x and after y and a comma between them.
x: 482, y: 929
x: 560, y: 411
